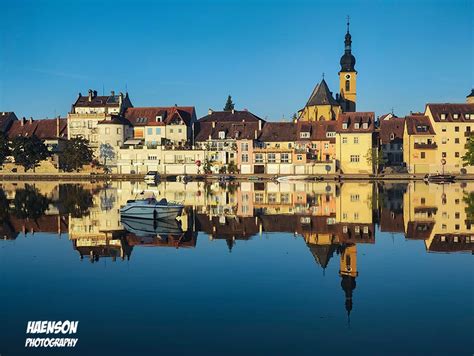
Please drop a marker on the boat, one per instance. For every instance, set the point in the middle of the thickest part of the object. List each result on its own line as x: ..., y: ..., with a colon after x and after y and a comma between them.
x: 147, y: 228
x: 439, y: 178
x: 150, y: 208
x: 292, y: 178
x: 152, y: 177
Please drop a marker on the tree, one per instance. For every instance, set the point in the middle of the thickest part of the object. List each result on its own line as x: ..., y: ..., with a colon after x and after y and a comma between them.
x: 75, y: 200
x: 75, y: 154
x: 229, y: 105
x: 469, y: 200
x: 232, y: 167
x: 106, y: 152
x: 207, y: 166
x: 375, y: 158
x: 29, y: 203
x: 4, y: 148
x: 468, y: 158
x: 29, y: 151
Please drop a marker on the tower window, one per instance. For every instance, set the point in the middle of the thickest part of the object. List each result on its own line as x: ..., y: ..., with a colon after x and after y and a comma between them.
x: 348, y: 85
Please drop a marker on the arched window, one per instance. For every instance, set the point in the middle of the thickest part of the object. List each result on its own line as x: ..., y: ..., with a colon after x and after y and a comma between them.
x: 348, y: 85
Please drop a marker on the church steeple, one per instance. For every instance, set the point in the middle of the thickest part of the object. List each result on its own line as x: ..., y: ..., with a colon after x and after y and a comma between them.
x: 348, y: 75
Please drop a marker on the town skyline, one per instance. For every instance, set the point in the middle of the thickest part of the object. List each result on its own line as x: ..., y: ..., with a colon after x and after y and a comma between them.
x: 271, y: 88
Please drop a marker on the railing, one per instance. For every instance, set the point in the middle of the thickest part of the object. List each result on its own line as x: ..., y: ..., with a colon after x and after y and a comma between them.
x: 426, y: 146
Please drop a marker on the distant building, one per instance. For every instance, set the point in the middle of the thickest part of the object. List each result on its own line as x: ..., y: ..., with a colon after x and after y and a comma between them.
x: 391, y: 139
x: 6, y: 119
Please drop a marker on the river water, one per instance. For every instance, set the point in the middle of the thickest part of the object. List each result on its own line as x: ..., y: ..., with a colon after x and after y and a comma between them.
x: 250, y: 268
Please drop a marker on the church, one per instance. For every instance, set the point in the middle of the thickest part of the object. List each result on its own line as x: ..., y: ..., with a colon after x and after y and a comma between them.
x: 321, y: 105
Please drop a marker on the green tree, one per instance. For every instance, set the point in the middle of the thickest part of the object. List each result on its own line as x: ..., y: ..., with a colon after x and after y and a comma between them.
x: 4, y: 148
x: 75, y: 154
x: 207, y: 166
x: 29, y: 203
x: 375, y: 158
x: 229, y: 105
x: 232, y: 168
x: 29, y: 151
x: 469, y: 200
x: 468, y: 158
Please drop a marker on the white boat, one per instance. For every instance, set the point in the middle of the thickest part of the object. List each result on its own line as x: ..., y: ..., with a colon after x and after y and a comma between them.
x: 150, y: 208
x: 292, y: 178
x: 153, y: 228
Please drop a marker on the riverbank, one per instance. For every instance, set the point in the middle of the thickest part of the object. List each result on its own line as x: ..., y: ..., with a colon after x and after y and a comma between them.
x: 68, y: 177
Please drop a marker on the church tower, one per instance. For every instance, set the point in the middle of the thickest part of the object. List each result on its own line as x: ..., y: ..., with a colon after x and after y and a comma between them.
x: 348, y: 76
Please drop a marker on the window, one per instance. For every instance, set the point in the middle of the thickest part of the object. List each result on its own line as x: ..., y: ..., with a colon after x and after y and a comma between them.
x: 158, y: 131
x: 244, y: 146
x: 326, y: 145
x: 422, y: 155
x: 455, y: 116
x: 271, y: 158
x: 330, y: 134
x: 356, y: 125
x: 119, y: 130
x: 356, y: 140
x: 344, y: 125
x: 180, y: 130
x: 456, y: 154
x: 344, y: 140
x: 258, y: 197
x: 443, y: 129
x: 245, y: 158
x: 444, y: 140
x: 443, y: 154
x: 456, y: 128
x: 456, y: 140
x: 150, y: 131
x: 443, y: 116
x: 365, y: 125
x: 258, y: 158
x: 272, y: 198
x: 355, y: 197
x: 171, y: 130
x: 304, y: 134
x: 284, y: 158
x: 355, y: 158
x: 356, y: 216
x: 299, y: 157
x: 285, y: 198
x: 221, y: 135
x: 348, y: 85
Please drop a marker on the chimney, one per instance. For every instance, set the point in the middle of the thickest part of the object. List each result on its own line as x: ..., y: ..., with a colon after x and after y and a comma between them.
x: 95, y: 93
x: 259, y: 125
x: 57, y: 126
x: 209, y: 112
x: 90, y: 94
x: 80, y: 95
x: 30, y: 120
x: 256, y: 134
x: 213, y: 124
x: 112, y: 93
x: 22, y: 121
x: 120, y: 99
x: 233, y: 111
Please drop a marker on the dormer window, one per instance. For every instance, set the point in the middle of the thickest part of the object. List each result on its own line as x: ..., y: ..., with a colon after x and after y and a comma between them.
x: 466, y: 116
x: 304, y: 134
x: 344, y: 125
x: 365, y: 126
x: 392, y: 136
x: 159, y: 118
x: 221, y: 135
x: 455, y: 116
x: 443, y: 116
x: 356, y: 125
x: 330, y: 134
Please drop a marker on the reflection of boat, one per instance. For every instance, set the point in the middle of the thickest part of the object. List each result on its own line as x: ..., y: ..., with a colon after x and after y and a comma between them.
x: 439, y: 178
x: 292, y: 178
x: 144, y: 228
x: 152, y: 177
x: 150, y: 208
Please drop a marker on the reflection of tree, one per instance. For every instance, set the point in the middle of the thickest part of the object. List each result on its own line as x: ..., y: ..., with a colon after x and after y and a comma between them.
x: 75, y: 199
x: 4, y: 205
x: 469, y: 200
x: 29, y: 203
x: 107, y: 200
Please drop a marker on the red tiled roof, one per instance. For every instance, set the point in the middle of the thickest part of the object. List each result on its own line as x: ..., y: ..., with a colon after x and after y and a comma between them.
x: 449, y: 110
x: 43, y: 129
x: 6, y: 118
x: 419, y: 125
x: 392, y: 129
x: 115, y: 120
x: 278, y: 132
x: 147, y: 116
x: 232, y: 130
x: 231, y: 116
x: 352, y: 118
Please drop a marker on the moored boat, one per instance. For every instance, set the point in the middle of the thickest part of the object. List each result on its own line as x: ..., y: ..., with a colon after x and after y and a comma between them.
x: 150, y: 208
x: 439, y: 178
x: 292, y: 178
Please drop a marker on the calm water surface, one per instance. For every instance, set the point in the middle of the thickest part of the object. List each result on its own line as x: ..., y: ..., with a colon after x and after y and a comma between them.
x: 252, y: 268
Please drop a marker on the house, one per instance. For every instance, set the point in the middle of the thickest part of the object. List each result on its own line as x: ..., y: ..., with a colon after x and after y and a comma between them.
x: 88, y: 111
x: 419, y: 144
x: 391, y: 139
x: 355, y: 142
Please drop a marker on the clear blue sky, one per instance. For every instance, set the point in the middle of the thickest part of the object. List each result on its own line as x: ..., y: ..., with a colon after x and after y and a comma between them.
x: 267, y: 54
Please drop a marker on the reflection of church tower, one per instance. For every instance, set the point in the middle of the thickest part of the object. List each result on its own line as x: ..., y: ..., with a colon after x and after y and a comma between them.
x: 348, y: 272
x: 348, y: 76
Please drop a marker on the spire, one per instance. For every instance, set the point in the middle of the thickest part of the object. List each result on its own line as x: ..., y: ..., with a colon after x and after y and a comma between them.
x: 348, y: 60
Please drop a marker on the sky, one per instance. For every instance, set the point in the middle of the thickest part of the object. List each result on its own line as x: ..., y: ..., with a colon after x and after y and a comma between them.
x: 268, y: 55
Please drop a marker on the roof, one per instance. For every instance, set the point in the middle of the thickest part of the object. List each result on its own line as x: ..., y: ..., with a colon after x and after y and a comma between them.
x: 278, y: 132
x: 230, y: 116
x: 321, y: 95
x: 43, y: 129
x: 98, y: 100
x: 317, y: 130
x: 115, y: 120
x: 450, y: 110
x: 347, y: 122
x: 391, y: 129
x: 232, y: 130
x: 471, y: 94
x: 150, y: 116
x: 419, y: 125
x: 6, y: 118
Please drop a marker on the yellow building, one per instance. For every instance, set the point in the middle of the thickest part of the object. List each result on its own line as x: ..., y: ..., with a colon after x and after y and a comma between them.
x: 436, y: 141
x: 355, y: 142
x: 321, y: 105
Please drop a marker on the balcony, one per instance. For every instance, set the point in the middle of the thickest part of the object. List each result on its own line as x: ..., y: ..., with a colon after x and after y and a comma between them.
x: 426, y: 146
